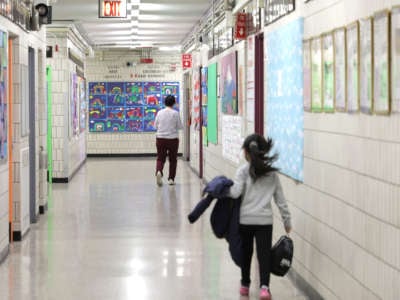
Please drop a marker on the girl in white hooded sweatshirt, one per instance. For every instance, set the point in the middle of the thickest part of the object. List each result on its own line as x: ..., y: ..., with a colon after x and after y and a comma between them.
x: 257, y: 182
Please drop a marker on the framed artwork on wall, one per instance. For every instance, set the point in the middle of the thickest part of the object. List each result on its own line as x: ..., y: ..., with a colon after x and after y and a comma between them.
x: 328, y: 99
x: 339, y: 49
x: 3, y: 96
x: 381, y: 63
x: 307, y: 75
x: 395, y: 58
x: 25, y: 101
x: 316, y: 75
x: 366, y: 65
x: 228, y: 84
x: 352, y: 69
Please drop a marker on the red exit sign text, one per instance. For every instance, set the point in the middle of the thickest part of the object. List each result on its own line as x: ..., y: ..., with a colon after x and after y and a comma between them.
x: 112, y: 8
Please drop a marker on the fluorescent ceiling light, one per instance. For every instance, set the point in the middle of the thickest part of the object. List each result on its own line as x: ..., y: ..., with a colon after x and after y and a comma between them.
x: 154, y: 7
x: 170, y: 48
x: 101, y: 26
x: 150, y: 17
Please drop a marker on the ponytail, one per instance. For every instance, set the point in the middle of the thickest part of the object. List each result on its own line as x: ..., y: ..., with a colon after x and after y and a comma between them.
x: 257, y: 147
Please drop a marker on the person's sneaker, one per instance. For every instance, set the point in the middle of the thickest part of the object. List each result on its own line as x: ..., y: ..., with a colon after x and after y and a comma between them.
x: 171, y: 181
x: 264, y: 293
x: 159, y: 178
x: 244, y: 290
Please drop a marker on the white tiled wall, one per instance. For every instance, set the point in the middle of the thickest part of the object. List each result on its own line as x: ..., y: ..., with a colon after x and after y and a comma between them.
x: 3, y: 206
x: 21, y: 41
x: 42, y: 124
x: 69, y: 151
x: 21, y: 44
x: 214, y: 162
x: 112, y: 66
x: 346, y: 213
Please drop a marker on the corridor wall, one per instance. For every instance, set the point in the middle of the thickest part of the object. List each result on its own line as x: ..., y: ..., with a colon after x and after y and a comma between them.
x: 124, y: 66
x: 69, y: 139
x: 346, y: 214
x: 20, y: 219
x: 215, y: 162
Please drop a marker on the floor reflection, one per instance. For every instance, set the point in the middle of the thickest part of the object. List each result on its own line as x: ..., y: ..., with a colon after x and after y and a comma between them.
x: 112, y: 233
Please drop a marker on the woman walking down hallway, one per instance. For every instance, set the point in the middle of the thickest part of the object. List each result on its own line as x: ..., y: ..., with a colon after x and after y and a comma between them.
x: 167, y: 123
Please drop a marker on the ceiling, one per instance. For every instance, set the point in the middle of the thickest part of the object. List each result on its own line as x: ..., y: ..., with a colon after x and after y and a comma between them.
x: 149, y: 23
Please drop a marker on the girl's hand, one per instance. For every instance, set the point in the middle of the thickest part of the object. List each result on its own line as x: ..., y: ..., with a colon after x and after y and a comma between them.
x: 288, y: 229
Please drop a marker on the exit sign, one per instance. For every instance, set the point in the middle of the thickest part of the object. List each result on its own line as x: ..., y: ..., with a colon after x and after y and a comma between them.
x: 112, y: 8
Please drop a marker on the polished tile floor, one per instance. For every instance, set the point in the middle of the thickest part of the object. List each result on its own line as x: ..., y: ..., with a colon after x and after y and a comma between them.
x: 111, y: 233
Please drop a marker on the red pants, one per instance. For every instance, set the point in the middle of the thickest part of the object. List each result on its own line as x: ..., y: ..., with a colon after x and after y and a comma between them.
x: 167, y: 147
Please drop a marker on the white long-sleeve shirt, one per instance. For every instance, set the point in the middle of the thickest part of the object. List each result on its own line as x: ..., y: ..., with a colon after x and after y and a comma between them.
x: 168, y: 123
x: 257, y: 196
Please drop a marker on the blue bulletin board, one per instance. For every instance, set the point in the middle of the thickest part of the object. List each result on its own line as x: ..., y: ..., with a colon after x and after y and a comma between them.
x: 127, y: 106
x: 285, y: 96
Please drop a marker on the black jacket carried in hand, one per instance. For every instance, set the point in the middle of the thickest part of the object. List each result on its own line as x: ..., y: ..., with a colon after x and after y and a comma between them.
x: 224, y: 216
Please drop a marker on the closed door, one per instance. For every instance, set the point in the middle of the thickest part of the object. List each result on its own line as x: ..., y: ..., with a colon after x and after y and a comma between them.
x: 259, y: 85
x: 32, y: 137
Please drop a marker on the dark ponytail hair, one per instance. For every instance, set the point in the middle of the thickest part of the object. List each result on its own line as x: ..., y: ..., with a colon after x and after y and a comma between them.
x: 257, y: 149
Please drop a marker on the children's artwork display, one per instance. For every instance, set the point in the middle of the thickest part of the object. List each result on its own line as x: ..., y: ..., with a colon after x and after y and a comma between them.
x: 204, y: 103
x: 204, y: 88
x: 127, y: 106
x: 3, y: 96
x: 327, y: 73
x: 381, y: 62
x: 196, y: 99
x: 339, y: 42
x: 352, y: 50
x: 228, y: 85
x: 212, y: 105
x: 366, y: 65
x: 395, y: 58
x: 74, y: 105
x: 83, y: 103
x: 307, y: 75
x: 316, y: 74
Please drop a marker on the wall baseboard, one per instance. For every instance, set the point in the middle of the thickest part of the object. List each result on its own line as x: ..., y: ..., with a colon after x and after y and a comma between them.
x: 17, y: 235
x: 125, y: 155
x: 303, y: 285
x: 68, y: 179
x: 43, y: 208
x: 4, y: 253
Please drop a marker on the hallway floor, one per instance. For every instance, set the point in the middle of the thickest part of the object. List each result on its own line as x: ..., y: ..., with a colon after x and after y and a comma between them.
x: 111, y: 233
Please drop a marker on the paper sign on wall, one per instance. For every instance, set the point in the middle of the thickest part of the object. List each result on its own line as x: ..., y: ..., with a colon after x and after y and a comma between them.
x: 231, y: 137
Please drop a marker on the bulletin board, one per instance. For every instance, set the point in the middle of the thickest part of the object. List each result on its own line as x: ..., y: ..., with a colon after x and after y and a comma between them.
x: 212, y: 105
x: 204, y: 101
x: 3, y: 96
x: 127, y: 106
x: 285, y: 96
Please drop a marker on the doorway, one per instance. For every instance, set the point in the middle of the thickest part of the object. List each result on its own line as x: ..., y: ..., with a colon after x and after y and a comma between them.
x: 187, y: 108
x: 32, y: 135
x: 259, y: 85
x: 10, y: 138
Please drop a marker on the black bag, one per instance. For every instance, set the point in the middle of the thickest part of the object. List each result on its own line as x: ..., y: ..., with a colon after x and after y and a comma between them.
x: 281, y: 256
